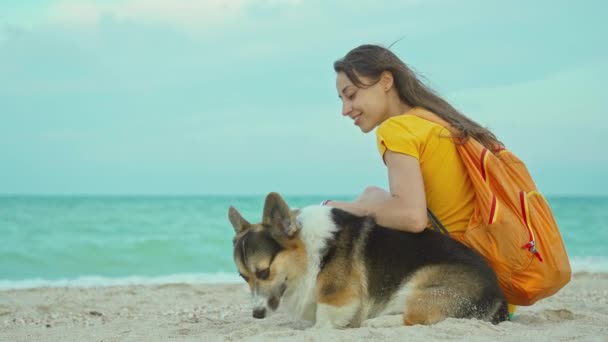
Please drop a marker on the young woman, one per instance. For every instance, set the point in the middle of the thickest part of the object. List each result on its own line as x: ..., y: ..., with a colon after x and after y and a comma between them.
x: 379, y: 91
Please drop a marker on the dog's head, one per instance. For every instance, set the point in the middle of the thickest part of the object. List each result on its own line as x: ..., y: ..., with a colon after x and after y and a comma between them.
x: 269, y: 255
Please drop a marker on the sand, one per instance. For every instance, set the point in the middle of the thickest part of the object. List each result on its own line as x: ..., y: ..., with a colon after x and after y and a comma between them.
x: 205, y: 312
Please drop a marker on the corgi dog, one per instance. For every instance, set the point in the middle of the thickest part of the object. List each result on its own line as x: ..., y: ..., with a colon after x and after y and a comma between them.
x: 340, y: 270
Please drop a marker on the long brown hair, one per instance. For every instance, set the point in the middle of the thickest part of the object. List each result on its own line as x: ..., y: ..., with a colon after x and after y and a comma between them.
x: 371, y: 60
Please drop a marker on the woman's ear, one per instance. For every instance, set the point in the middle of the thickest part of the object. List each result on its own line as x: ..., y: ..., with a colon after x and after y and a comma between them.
x: 386, y: 80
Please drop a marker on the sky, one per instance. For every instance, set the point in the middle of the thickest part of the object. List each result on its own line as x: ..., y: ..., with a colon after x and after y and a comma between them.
x: 179, y: 97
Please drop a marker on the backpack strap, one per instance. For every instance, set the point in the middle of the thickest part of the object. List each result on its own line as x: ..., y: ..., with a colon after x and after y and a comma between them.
x: 425, y: 114
x: 436, y: 224
x: 432, y: 117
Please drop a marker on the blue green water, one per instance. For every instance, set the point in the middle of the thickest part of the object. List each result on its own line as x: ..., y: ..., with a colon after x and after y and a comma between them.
x: 106, y: 240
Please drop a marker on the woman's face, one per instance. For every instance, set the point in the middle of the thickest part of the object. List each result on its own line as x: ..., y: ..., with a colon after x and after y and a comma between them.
x: 368, y: 107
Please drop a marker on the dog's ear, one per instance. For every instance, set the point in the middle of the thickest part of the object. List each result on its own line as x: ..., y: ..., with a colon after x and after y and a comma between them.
x: 238, y: 222
x: 278, y: 216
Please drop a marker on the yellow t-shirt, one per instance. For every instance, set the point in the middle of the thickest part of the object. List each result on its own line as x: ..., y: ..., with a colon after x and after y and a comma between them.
x: 449, y: 191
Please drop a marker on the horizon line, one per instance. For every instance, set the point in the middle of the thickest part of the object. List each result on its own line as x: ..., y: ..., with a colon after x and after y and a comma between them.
x: 292, y: 194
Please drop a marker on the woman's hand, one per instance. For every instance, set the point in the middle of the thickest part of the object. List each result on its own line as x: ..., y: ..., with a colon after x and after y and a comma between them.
x: 404, y: 207
x: 373, y: 195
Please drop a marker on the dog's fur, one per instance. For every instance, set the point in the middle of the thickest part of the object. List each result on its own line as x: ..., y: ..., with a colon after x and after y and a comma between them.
x: 340, y: 270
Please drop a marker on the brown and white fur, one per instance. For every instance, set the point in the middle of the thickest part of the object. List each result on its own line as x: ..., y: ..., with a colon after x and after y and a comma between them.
x: 340, y: 270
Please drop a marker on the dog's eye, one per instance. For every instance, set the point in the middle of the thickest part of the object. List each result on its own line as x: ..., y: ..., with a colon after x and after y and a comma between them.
x: 244, y: 277
x: 263, y: 274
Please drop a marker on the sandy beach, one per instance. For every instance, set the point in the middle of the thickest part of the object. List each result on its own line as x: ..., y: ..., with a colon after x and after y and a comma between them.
x: 219, y: 312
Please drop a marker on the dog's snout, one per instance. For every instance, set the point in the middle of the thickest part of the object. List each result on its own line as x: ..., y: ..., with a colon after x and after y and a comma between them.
x: 259, y: 313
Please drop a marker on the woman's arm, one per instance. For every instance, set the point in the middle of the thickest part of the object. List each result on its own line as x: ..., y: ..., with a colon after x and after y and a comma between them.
x: 404, y: 207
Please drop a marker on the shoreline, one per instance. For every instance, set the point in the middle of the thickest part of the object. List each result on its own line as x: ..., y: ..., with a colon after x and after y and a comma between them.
x: 222, y: 312
x: 96, y: 282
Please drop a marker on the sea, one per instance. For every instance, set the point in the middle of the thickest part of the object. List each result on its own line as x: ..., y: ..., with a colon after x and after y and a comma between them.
x: 90, y: 241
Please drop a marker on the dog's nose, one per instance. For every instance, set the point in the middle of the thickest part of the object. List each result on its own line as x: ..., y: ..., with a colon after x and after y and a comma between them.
x: 259, y: 313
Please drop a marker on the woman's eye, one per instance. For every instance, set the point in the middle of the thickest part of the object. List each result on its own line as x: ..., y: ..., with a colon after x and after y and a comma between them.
x: 351, y: 96
x: 244, y: 277
x: 263, y: 274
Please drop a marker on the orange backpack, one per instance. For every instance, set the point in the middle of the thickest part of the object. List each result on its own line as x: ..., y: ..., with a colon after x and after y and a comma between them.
x: 512, y: 226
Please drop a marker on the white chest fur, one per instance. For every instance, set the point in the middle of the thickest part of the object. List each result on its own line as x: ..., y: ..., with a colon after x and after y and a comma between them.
x: 317, y: 228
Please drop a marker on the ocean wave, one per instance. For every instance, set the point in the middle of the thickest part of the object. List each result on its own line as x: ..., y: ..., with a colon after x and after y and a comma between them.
x: 101, y: 281
x: 590, y: 264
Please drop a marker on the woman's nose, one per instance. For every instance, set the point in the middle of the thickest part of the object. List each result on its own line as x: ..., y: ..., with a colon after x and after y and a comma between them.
x: 346, y: 108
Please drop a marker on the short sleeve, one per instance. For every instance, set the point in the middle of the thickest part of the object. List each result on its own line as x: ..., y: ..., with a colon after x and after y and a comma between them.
x: 395, y: 136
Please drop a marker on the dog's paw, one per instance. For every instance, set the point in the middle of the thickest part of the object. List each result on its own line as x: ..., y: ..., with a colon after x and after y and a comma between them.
x: 383, y: 322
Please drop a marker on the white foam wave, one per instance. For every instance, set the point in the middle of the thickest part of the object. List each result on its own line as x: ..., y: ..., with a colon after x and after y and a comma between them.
x: 100, y: 281
x: 593, y: 264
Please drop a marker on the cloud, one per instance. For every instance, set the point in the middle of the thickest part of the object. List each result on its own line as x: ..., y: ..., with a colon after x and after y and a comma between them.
x: 556, y: 118
x: 239, y: 95
x: 184, y: 14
